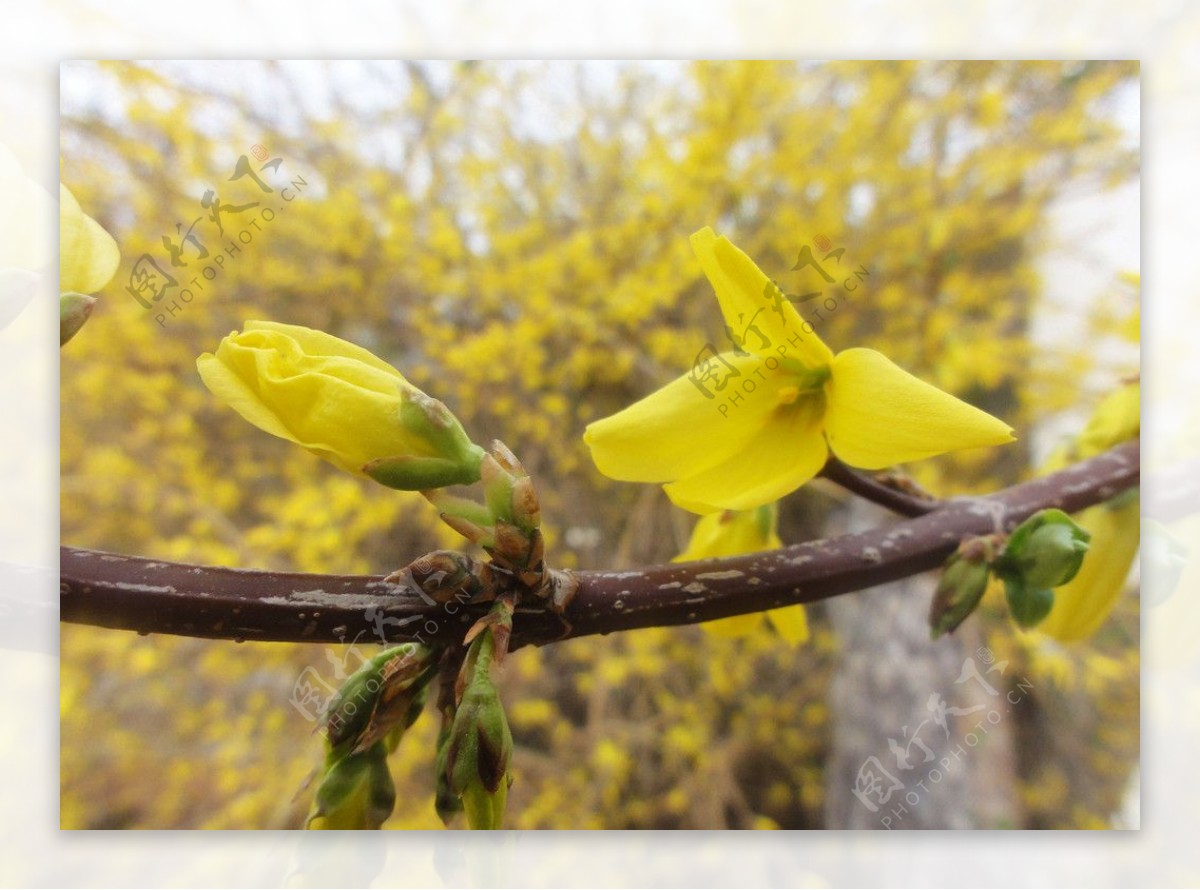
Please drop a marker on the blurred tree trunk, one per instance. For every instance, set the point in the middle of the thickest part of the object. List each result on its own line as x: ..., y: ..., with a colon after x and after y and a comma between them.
x: 918, y: 740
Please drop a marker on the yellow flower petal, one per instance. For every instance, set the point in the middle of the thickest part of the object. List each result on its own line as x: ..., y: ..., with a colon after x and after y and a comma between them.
x: 740, y: 286
x: 786, y: 451
x: 309, y: 407
x: 1084, y: 603
x: 223, y: 380
x: 713, y: 536
x: 735, y: 626
x: 318, y: 344
x: 332, y: 398
x: 791, y: 623
x: 730, y: 533
x: 1116, y: 419
x: 88, y: 255
x: 880, y: 415
x: 677, y: 431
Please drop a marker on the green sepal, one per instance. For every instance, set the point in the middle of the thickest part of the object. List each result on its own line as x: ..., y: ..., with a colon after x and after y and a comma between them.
x: 462, y: 508
x: 485, y: 809
x: 73, y: 312
x: 386, y: 692
x: 1046, y: 550
x: 409, y: 473
x: 434, y: 422
x: 446, y: 802
x: 497, y: 488
x: 958, y: 593
x: 1027, y: 605
x: 356, y: 791
x: 480, y: 746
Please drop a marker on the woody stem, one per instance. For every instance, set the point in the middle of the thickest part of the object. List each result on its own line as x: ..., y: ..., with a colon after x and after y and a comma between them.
x: 152, y: 596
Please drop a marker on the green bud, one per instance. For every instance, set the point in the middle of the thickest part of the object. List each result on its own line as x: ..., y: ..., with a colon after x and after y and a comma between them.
x: 507, y: 459
x: 526, y: 512
x: 1053, y: 555
x: 446, y: 801
x: 1028, y: 605
x: 517, y: 544
x: 508, y: 489
x: 479, y: 749
x: 497, y: 487
x: 356, y: 791
x: 485, y: 809
x: 519, y: 551
x: 73, y: 311
x: 958, y: 593
x: 416, y: 705
x: 450, y: 504
x: 379, y: 696
x: 1046, y: 550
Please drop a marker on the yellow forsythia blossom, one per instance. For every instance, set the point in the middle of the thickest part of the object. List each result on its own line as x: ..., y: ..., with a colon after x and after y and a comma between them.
x: 797, y: 402
x: 341, y: 403
x: 1084, y: 603
x: 88, y: 255
x: 731, y: 534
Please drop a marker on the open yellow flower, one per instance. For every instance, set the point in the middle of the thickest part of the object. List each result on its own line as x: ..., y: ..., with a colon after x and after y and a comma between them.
x: 341, y: 403
x: 730, y: 533
x: 746, y: 427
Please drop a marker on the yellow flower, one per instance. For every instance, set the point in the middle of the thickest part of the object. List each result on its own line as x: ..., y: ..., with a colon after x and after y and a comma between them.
x: 743, y: 429
x: 88, y: 255
x: 732, y: 534
x: 1084, y: 603
x: 341, y: 403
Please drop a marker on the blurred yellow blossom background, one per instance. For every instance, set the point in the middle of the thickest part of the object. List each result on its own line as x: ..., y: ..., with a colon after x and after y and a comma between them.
x: 513, y: 237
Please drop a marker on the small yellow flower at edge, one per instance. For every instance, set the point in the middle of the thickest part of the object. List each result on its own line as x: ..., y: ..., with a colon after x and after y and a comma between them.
x: 341, y: 403
x: 1084, y: 603
x: 807, y: 402
x: 88, y: 259
x: 733, y: 534
x: 88, y: 255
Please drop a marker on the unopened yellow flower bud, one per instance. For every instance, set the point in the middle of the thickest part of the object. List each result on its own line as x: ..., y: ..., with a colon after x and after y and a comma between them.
x: 342, y: 403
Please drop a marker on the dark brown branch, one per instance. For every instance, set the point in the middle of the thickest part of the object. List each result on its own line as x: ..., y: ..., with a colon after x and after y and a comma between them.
x: 152, y: 596
x: 873, y: 489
